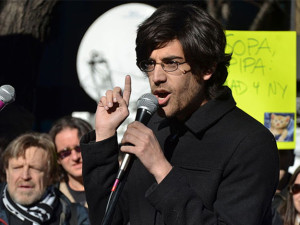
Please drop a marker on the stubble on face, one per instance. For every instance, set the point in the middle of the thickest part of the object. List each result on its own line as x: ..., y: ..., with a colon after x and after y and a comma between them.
x: 180, y: 92
x: 186, y: 96
x: 26, y: 197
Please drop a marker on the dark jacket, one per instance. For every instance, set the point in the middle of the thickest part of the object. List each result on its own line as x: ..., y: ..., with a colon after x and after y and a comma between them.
x: 71, y: 213
x: 225, y: 171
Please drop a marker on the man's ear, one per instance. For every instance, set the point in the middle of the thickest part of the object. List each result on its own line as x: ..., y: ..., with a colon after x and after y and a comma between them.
x: 207, y: 76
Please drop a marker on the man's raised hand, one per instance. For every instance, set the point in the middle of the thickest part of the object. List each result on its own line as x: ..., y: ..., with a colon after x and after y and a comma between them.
x: 112, y: 110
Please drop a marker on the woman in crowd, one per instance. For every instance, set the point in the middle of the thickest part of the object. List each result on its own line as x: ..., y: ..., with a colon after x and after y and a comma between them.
x: 290, y: 209
x: 66, y: 133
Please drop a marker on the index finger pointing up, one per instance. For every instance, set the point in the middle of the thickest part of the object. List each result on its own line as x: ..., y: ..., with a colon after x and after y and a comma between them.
x: 127, y: 89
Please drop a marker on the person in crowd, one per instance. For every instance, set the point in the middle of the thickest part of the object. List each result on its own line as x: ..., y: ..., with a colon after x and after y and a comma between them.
x: 66, y: 133
x: 4, y: 141
x: 201, y: 160
x: 290, y: 208
x: 28, y: 196
x: 286, y: 159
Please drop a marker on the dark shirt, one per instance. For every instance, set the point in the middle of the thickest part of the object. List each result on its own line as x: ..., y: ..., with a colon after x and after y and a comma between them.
x: 79, y: 196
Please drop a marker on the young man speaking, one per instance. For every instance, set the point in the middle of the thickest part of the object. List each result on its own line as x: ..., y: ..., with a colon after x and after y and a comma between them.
x: 201, y: 160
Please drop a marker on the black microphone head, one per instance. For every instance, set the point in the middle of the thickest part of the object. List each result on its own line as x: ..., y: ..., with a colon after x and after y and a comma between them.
x: 7, y: 93
x: 149, y: 102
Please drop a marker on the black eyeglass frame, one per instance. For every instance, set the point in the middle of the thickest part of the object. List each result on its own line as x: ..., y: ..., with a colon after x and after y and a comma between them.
x: 162, y: 64
x: 66, y: 152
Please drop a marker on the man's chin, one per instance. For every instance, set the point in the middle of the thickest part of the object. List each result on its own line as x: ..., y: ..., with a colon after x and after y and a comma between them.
x: 26, y: 199
x: 164, y: 113
x: 161, y: 112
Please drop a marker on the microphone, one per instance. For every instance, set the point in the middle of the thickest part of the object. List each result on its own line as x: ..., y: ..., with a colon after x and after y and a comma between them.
x: 7, y: 95
x: 147, y: 105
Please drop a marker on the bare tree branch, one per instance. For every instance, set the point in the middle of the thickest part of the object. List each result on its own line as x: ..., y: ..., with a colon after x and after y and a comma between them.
x: 261, y: 14
x: 297, y: 17
x: 218, y: 9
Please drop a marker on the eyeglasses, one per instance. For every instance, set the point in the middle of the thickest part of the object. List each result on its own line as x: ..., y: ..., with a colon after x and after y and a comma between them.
x: 168, y: 66
x: 295, y: 189
x: 67, y: 151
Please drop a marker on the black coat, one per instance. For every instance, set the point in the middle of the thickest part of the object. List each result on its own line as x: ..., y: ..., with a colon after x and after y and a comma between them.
x: 225, y: 171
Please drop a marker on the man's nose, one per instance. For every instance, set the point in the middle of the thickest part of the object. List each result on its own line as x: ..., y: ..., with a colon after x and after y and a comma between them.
x: 26, y: 174
x: 158, y: 75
